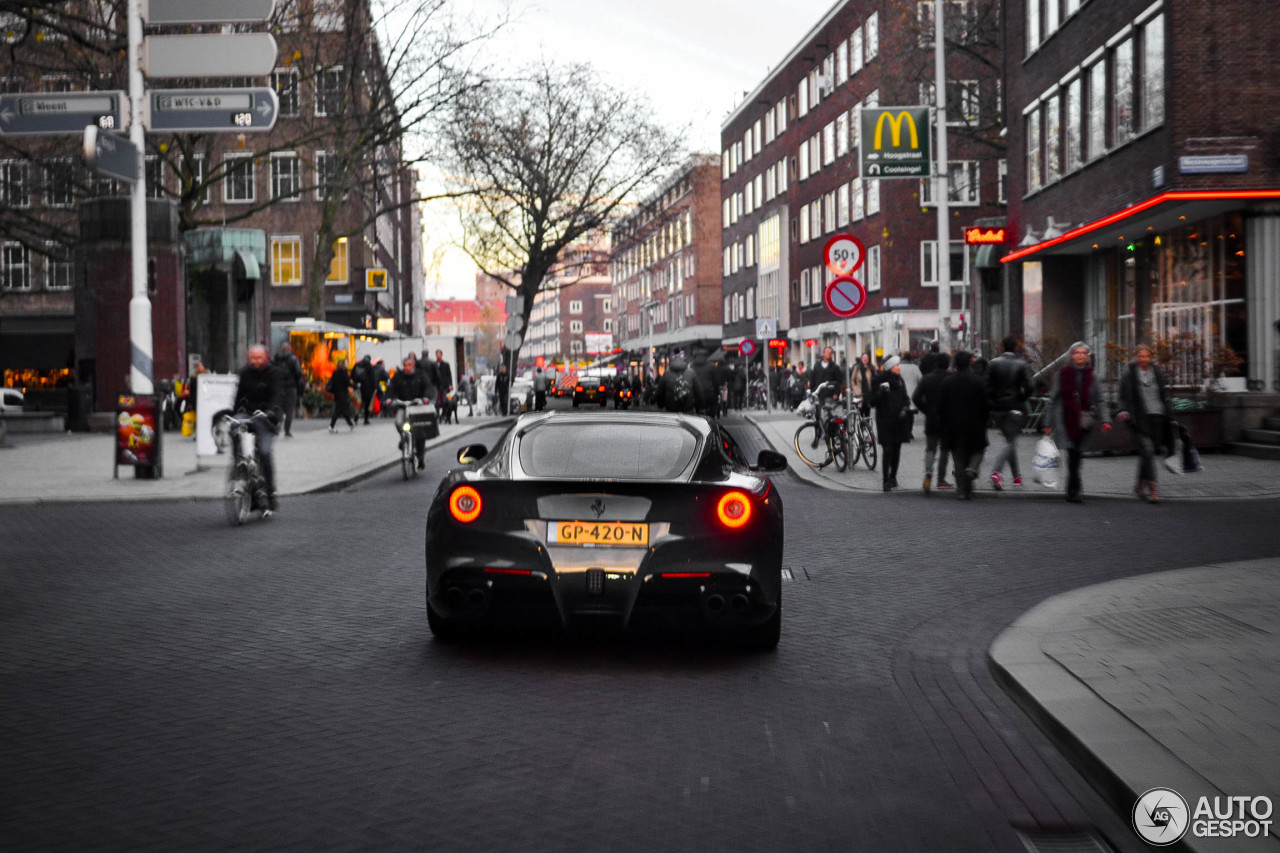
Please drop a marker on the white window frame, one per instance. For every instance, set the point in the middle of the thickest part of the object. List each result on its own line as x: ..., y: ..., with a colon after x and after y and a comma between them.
x: 231, y: 171
x: 58, y: 264
x: 290, y: 96
x: 278, y: 191
x: 294, y: 241
x: 872, y: 275
x: 928, y: 261
x: 575, y: 306
x: 323, y: 92
x: 15, y: 266
x: 15, y: 175
x: 962, y: 175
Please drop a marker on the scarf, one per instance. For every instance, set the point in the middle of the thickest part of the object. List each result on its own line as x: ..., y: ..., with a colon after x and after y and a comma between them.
x: 1076, y: 385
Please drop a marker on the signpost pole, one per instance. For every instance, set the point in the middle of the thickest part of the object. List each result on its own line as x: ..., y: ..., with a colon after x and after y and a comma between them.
x: 943, y: 266
x: 140, y: 344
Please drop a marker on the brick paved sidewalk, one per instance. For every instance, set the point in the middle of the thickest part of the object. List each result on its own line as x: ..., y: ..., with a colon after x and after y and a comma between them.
x: 78, y: 466
x: 1164, y: 680
x: 1224, y: 475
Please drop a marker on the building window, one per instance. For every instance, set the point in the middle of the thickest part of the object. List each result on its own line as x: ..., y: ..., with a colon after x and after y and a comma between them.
x: 802, y: 95
x: 575, y: 326
x: 58, y: 266
x: 963, y: 185
x: 607, y: 306
x: 959, y: 260
x: 197, y: 172
x: 237, y: 185
x: 326, y: 174
x: 1033, y: 25
x: 859, y: 199
x: 575, y: 306
x: 15, y: 185
x: 327, y: 15
x: 1122, y: 87
x: 1032, y: 119
x: 285, y: 82
x: 842, y: 205
x: 1052, y: 139
x: 286, y: 260
x: 1153, y: 73
x: 15, y: 266
x: 842, y: 63
x: 1097, y: 111
x: 873, y: 36
x: 829, y: 144
x: 804, y: 287
x: 1002, y: 181
x: 329, y: 91
x: 873, y: 197
x: 154, y: 176
x: 339, y: 267
x: 727, y: 260
x: 804, y: 161
x: 872, y: 275
x: 829, y: 212
x: 804, y: 224
x: 855, y: 52
x: 1073, y: 125
x: 286, y: 176
x: 58, y: 189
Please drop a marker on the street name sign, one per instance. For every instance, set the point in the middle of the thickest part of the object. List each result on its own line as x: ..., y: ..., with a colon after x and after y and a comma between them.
x: 845, y: 296
x: 210, y: 110
x: 206, y: 11
x: 110, y: 155
x: 38, y: 113
x: 895, y: 142
x: 844, y: 254
x: 209, y: 55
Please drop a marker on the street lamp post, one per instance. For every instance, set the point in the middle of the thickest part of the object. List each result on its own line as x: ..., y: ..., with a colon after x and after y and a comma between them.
x: 648, y: 310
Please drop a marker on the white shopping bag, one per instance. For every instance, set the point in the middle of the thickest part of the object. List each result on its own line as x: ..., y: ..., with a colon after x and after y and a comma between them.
x: 1047, y: 463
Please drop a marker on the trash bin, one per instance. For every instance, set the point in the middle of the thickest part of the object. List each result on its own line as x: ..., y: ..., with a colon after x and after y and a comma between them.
x: 79, y: 402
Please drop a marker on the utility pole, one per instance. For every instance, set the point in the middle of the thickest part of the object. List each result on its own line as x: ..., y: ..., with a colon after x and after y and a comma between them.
x: 140, y: 344
x: 943, y: 265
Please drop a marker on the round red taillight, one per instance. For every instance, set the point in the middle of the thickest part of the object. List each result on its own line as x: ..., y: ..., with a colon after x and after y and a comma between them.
x: 579, y: 388
x: 734, y: 510
x: 464, y: 504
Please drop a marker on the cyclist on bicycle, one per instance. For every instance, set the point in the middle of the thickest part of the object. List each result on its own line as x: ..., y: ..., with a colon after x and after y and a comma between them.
x: 259, y: 388
x: 827, y: 381
x: 409, y: 386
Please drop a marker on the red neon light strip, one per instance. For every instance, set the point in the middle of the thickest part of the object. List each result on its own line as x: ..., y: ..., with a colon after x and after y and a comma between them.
x: 509, y: 571
x: 686, y: 574
x: 1176, y: 195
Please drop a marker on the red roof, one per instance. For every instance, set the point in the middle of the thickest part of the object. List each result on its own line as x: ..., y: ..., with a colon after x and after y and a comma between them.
x: 465, y: 311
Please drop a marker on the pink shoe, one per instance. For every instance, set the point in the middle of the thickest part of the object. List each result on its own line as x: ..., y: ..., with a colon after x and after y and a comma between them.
x: 1017, y: 481
x: 997, y: 482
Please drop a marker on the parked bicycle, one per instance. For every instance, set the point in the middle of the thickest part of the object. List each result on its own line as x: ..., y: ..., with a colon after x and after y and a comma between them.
x: 862, y: 436
x: 246, y: 484
x: 823, y: 439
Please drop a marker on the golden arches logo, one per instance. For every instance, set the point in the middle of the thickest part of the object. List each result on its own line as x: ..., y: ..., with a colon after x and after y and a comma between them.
x: 895, y: 129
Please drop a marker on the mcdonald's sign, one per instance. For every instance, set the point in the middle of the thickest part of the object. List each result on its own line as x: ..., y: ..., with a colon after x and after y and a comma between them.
x: 895, y: 142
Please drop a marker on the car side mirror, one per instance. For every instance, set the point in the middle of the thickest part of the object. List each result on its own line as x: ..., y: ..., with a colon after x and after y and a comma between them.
x: 472, y: 453
x: 771, y: 461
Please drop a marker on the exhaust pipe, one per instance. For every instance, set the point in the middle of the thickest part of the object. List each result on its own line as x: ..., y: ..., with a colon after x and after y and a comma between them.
x: 454, y: 596
x: 477, y: 599
x: 739, y: 602
x: 714, y: 604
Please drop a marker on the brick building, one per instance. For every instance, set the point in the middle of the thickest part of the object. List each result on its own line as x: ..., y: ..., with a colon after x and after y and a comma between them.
x: 1145, y: 167
x: 791, y: 178
x: 249, y: 205
x: 666, y: 264
x: 572, y: 319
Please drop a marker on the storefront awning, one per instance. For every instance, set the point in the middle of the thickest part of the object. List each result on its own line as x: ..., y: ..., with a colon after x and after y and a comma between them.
x: 1157, y: 214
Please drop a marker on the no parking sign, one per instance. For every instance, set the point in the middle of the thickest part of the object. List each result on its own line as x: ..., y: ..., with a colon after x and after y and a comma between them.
x: 845, y: 296
x: 747, y: 348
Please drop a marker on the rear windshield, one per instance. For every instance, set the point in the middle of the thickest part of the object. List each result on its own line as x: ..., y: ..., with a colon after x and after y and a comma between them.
x: 614, y: 451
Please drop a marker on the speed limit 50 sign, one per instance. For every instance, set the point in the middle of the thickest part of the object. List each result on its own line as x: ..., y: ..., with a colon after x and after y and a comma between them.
x: 844, y: 254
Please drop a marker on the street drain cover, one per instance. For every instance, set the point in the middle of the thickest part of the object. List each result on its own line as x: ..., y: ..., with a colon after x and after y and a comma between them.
x: 1063, y: 842
x: 1172, y: 624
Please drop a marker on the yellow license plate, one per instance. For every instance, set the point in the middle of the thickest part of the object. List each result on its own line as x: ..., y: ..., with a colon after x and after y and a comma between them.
x: 599, y: 533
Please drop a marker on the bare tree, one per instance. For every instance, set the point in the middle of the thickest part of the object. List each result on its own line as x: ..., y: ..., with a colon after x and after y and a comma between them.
x: 546, y: 161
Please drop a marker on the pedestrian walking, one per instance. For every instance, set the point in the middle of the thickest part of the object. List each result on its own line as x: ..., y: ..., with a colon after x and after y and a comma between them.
x: 1076, y: 409
x: 705, y: 372
x: 291, y: 383
x: 827, y: 371
x: 540, y: 383
x: 443, y: 379
x: 928, y: 399
x: 1144, y: 401
x: 464, y: 392
x: 893, y: 418
x: 963, y: 409
x: 365, y: 380
x: 679, y: 389
x: 863, y: 375
x: 339, y: 385
x: 502, y: 385
x: 1008, y: 385
x: 738, y: 386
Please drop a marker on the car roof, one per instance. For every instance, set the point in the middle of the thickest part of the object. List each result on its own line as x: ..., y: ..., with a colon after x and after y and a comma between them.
x: 698, y: 423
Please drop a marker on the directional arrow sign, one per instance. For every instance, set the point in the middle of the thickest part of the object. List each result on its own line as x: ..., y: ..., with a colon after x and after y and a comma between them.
x: 110, y: 155
x: 209, y: 55
x: 845, y: 296
x: 210, y: 110
x: 32, y: 113
x: 206, y: 11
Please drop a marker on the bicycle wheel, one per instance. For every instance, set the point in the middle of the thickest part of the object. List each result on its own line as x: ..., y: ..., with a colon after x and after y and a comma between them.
x: 406, y: 457
x: 839, y: 450
x: 236, y: 501
x: 812, y: 452
x: 868, y: 443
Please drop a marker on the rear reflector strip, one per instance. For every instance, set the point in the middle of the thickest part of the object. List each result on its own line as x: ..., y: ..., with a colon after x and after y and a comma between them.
x: 685, y: 574
x: 509, y: 571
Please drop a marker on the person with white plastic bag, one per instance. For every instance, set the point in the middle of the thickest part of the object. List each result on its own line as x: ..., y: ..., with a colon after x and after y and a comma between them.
x: 1076, y: 407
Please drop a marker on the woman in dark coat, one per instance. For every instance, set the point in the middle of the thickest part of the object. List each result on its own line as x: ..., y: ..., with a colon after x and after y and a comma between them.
x: 1144, y: 397
x: 893, y: 417
x: 963, y: 408
x: 1075, y: 405
x: 339, y: 386
x: 863, y: 376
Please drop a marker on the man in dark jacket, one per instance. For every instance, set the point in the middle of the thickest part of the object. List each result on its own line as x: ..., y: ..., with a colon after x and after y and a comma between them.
x: 501, y: 385
x: 827, y: 370
x: 963, y: 409
x: 409, y: 386
x: 258, y: 390
x: 444, y: 378
x: 1008, y: 387
x: 365, y: 379
x: 705, y: 371
x: 927, y: 398
x: 679, y: 389
x: 291, y: 382
x: 893, y: 417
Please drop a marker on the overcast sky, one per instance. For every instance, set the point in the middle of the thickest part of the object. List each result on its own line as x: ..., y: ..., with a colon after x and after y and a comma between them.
x: 693, y: 59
